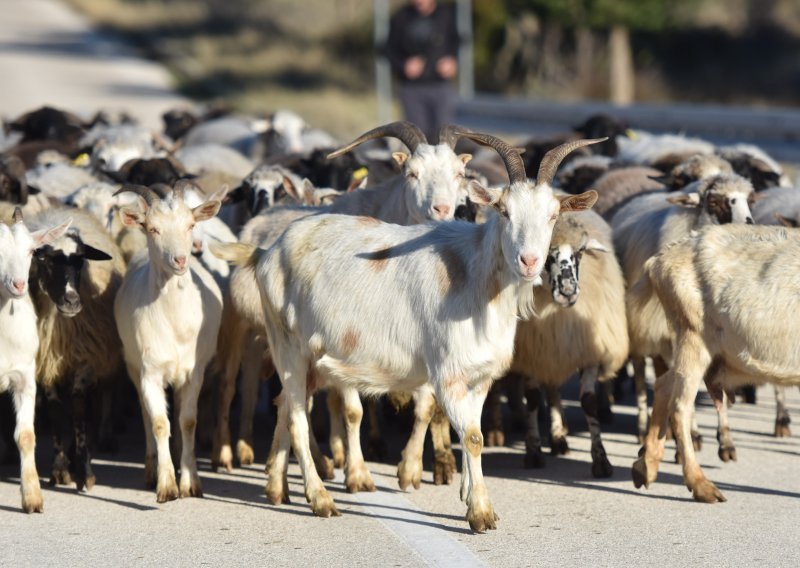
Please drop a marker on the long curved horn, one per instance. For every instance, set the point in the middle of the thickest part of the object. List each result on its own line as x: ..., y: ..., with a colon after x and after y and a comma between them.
x: 407, y: 132
x: 180, y: 186
x: 448, y: 134
x: 551, y: 160
x: 510, y: 155
x: 149, y: 195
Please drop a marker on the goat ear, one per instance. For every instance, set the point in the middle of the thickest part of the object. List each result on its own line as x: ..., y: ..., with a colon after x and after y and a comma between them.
x: 236, y: 195
x: 593, y: 245
x: 308, y: 192
x: 91, y: 253
x: 47, y: 236
x: 690, y: 200
x: 131, y: 216
x: 581, y: 202
x: 291, y: 190
x: 400, y: 158
x: 465, y: 158
x: 786, y: 221
x: 483, y: 195
x: 207, y: 210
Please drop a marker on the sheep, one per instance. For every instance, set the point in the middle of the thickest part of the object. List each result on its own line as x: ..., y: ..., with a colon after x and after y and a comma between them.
x: 779, y: 205
x: 19, y: 343
x: 644, y: 226
x: 580, y: 324
x: 288, y: 133
x: 79, y: 348
x: 428, y: 189
x: 13, y: 184
x: 726, y: 291
x: 205, y: 158
x: 168, y: 312
x: 58, y: 180
x: 753, y: 163
x: 661, y: 151
x: 456, y: 290
x: 113, y: 146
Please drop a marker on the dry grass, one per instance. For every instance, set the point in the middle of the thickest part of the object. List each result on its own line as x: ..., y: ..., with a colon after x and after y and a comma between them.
x: 313, y: 57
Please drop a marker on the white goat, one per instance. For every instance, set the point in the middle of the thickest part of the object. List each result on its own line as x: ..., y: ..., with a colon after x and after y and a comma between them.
x: 727, y: 291
x: 456, y: 290
x: 428, y: 189
x: 19, y: 343
x: 168, y: 311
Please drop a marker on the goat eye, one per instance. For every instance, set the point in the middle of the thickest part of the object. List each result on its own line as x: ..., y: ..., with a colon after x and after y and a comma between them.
x: 153, y: 231
x: 553, y: 217
x: 733, y: 201
x: 191, y: 226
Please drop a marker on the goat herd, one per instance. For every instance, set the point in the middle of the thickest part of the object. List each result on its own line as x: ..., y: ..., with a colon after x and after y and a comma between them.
x: 425, y: 272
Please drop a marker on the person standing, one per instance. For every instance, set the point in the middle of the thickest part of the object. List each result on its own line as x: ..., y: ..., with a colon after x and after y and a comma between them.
x: 421, y: 49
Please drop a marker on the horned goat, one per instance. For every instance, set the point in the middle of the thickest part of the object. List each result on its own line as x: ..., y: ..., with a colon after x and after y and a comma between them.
x: 455, y: 331
x: 168, y: 312
x: 428, y: 189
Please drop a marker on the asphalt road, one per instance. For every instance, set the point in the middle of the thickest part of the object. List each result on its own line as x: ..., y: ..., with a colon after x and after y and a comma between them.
x: 48, y: 55
x: 556, y: 516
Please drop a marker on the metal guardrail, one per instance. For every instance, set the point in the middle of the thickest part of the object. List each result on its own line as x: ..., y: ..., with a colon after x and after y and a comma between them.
x: 777, y: 131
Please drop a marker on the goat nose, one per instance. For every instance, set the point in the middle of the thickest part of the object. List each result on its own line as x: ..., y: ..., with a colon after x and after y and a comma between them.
x: 180, y: 261
x: 71, y: 297
x: 529, y: 260
x: 442, y: 211
x: 19, y: 285
x: 749, y: 221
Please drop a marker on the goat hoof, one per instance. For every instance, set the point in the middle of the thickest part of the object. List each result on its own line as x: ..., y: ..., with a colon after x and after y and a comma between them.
x: 495, y: 438
x: 559, y: 446
x: 222, y: 457
x: 409, y: 473
x: 707, y: 492
x: 324, y: 467
x: 697, y: 441
x: 323, y: 506
x: 782, y: 428
x: 640, y: 474
x: 167, y: 493
x: 376, y: 450
x: 601, y: 467
x: 60, y: 477
x: 444, y: 467
x: 85, y: 482
x: 482, y: 518
x: 359, y: 479
x: 727, y: 453
x: 191, y: 487
x: 277, y: 496
x: 32, y: 501
x: 534, y: 459
x: 244, y: 453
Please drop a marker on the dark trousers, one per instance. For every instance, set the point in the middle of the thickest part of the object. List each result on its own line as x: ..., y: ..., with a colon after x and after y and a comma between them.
x: 429, y: 106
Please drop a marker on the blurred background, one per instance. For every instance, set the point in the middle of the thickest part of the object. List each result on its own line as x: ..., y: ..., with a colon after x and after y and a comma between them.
x: 318, y: 57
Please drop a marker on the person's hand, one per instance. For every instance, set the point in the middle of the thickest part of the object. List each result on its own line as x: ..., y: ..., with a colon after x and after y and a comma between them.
x: 446, y: 67
x: 414, y: 67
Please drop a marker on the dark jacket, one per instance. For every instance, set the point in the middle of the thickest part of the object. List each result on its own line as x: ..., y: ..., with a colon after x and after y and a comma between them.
x: 431, y: 37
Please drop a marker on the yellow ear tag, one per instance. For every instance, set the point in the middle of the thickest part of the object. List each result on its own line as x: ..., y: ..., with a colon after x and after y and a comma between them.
x: 81, y: 161
x: 631, y: 134
x: 360, y: 174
